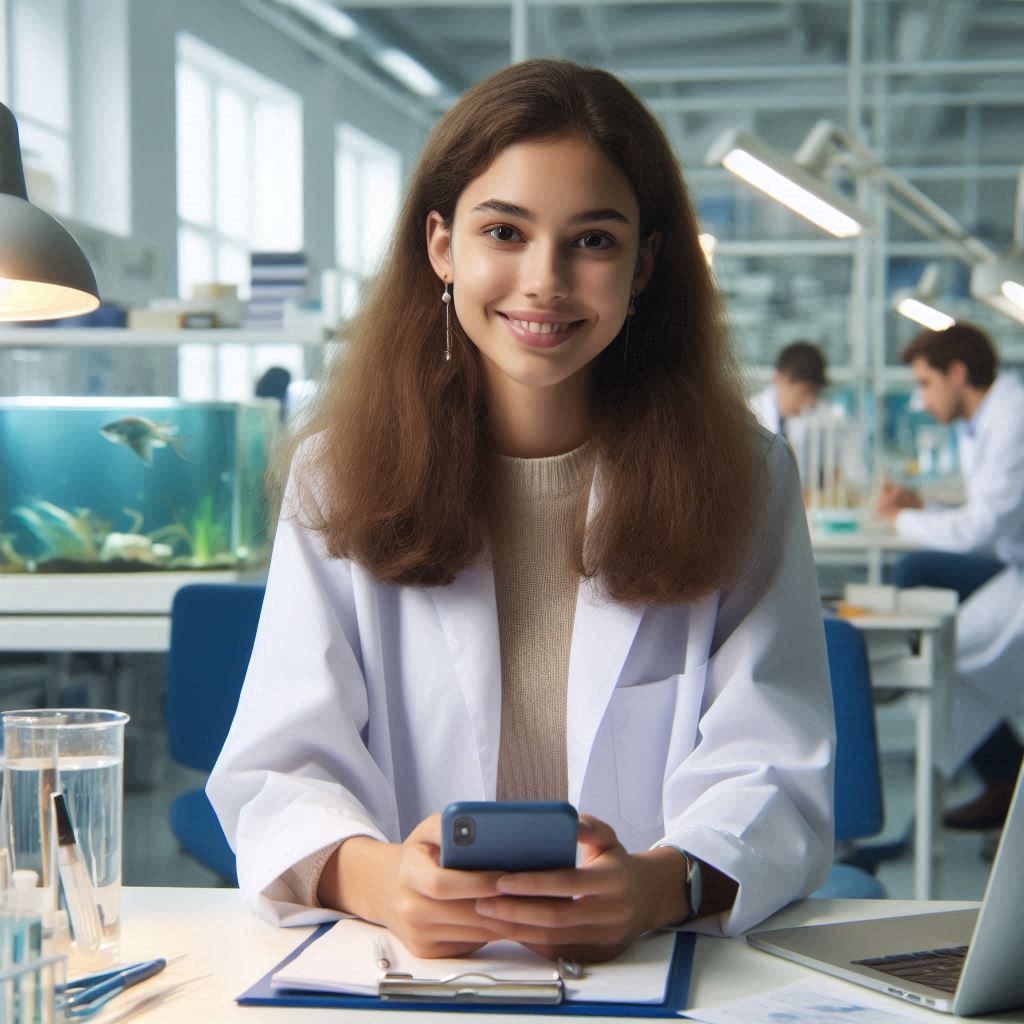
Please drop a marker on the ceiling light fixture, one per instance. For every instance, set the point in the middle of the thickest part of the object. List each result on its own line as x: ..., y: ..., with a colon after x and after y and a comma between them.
x: 1014, y: 291
x: 797, y: 182
x: 1000, y: 282
x: 826, y: 145
x: 919, y: 304
x: 44, y: 274
x: 928, y: 316
x: 325, y: 15
x: 410, y: 72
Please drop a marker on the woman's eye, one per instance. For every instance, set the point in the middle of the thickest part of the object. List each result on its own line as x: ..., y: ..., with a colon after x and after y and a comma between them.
x: 594, y: 240
x: 503, y: 233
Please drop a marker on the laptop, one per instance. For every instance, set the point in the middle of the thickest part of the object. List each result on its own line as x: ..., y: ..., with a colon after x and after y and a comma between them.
x: 957, y: 961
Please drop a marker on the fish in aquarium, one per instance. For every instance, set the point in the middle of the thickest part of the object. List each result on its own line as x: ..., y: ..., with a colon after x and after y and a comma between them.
x: 142, y: 436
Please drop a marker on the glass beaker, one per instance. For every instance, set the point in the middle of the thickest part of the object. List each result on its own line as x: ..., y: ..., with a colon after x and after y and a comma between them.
x: 79, y: 752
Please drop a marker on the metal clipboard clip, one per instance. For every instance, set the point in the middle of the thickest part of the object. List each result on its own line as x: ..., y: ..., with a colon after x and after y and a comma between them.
x: 470, y: 987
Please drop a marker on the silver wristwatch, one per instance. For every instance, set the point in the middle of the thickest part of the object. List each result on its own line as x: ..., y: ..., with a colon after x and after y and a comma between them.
x: 693, y: 886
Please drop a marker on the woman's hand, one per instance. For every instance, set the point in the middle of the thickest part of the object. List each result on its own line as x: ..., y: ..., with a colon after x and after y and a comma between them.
x: 593, y: 912
x: 432, y: 910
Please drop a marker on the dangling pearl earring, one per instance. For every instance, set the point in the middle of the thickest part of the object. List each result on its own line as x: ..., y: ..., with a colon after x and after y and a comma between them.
x: 446, y: 298
x: 630, y: 313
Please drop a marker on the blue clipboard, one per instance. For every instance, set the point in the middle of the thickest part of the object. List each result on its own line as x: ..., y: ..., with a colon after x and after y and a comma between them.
x: 264, y: 994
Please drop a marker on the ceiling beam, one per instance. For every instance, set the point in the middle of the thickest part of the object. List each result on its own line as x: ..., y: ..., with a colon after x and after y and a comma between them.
x: 400, y: 99
x: 354, y: 5
x: 760, y: 72
x: 739, y: 102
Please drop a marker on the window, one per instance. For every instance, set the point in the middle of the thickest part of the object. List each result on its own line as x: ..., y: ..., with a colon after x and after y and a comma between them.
x: 367, y: 185
x: 34, y: 82
x: 239, y: 151
x: 239, y: 167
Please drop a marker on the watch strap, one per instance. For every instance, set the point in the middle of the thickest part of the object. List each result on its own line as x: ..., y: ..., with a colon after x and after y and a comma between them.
x: 694, y: 886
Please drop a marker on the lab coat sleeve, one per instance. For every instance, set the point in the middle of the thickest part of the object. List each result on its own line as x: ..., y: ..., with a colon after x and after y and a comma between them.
x: 755, y: 797
x: 994, y: 507
x: 295, y: 774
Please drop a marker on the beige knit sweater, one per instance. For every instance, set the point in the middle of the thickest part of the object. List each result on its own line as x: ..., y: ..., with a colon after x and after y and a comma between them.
x: 536, y: 587
x: 536, y: 501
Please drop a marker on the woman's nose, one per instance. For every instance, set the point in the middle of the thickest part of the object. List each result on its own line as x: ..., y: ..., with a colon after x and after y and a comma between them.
x: 544, y: 273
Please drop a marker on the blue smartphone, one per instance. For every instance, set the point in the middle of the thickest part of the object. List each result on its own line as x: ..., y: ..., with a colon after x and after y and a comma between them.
x: 513, y: 835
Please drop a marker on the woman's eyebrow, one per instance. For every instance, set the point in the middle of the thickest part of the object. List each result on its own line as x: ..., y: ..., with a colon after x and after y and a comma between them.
x: 511, y: 210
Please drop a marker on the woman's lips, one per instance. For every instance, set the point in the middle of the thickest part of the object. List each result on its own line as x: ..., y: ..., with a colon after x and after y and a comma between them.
x: 537, y: 339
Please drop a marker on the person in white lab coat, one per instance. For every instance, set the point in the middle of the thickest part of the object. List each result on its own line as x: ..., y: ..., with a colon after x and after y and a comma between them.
x: 978, y: 551
x: 800, y: 375
x: 534, y: 546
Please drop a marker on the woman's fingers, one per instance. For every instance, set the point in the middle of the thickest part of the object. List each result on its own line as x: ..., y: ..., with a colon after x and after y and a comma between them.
x: 422, y: 872
x: 565, y: 938
x: 429, y: 947
x: 597, y: 880
x: 596, y: 833
x: 427, y: 831
x: 444, y: 912
x: 557, y: 914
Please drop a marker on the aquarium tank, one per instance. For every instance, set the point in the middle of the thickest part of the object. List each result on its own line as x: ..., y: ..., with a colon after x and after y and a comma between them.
x: 133, y: 484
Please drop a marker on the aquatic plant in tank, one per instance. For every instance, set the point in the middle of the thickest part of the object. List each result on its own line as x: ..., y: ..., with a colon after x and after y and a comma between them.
x: 124, y: 485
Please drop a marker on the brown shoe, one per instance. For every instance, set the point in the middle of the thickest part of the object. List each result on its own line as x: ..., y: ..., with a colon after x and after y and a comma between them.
x: 985, y: 811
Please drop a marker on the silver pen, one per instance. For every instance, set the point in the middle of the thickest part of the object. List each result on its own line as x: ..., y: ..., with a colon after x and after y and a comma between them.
x: 382, y: 953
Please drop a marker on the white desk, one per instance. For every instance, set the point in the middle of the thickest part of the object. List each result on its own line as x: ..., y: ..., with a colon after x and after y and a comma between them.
x: 928, y: 677
x: 226, y: 940
x: 122, y: 612
x: 873, y: 543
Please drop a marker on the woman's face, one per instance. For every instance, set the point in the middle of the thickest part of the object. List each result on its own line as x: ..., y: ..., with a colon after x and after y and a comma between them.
x: 543, y: 253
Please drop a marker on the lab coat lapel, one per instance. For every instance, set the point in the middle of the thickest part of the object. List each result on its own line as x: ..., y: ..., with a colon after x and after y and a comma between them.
x: 602, y: 635
x: 468, y: 612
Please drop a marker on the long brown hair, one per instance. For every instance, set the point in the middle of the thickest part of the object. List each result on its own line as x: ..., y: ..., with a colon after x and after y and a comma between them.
x: 396, y: 474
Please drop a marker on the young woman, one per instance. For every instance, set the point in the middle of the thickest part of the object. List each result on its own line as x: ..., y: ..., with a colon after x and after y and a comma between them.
x: 534, y: 547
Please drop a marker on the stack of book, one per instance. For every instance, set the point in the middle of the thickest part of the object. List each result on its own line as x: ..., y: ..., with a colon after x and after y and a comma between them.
x: 276, y: 278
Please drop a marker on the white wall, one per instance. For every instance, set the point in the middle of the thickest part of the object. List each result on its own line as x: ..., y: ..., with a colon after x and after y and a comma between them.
x: 100, y: 95
x: 328, y: 97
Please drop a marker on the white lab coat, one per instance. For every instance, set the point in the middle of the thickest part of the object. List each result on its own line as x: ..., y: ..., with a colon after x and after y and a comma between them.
x: 368, y: 707
x: 765, y: 406
x: 990, y: 626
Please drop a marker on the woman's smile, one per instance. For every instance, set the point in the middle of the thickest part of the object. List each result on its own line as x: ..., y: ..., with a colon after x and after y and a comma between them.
x: 540, y: 330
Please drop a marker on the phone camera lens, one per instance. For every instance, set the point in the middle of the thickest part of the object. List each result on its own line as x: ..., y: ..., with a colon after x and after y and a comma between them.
x: 465, y: 831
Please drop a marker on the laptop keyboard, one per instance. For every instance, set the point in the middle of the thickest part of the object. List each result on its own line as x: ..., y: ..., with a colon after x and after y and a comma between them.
x: 939, y: 968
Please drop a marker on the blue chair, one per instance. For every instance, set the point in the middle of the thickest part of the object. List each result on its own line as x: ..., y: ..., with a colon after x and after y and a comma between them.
x: 213, y: 626
x: 858, y: 788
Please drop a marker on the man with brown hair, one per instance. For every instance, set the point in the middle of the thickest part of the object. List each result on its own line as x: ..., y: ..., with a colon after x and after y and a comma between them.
x: 799, y: 378
x: 979, y: 552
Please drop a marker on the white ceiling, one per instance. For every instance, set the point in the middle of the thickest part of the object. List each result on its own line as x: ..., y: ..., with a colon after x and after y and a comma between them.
x: 939, y: 84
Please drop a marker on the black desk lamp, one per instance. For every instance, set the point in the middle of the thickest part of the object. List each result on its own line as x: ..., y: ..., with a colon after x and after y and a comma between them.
x: 43, y: 272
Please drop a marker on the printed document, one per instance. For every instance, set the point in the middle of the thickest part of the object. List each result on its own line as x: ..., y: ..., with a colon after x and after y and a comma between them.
x: 345, y: 958
x: 804, y: 1002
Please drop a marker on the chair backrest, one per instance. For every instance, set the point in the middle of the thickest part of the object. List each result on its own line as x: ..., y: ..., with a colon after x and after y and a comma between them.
x: 859, y: 808
x: 213, y: 626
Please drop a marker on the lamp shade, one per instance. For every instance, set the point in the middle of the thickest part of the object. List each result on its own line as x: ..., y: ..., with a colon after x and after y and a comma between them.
x: 43, y: 272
